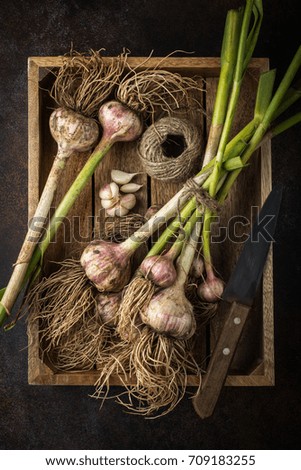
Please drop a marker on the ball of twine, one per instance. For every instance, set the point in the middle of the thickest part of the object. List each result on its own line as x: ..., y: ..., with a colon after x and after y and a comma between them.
x: 151, y: 154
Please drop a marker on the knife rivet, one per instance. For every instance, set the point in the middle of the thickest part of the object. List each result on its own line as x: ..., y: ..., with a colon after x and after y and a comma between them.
x: 237, y: 320
x: 226, y: 351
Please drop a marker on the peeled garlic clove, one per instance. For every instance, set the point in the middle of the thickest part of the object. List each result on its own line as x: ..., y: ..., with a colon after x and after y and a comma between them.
x: 121, y: 177
x: 109, y: 191
x: 130, y: 187
x: 128, y: 201
x: 108, y: 203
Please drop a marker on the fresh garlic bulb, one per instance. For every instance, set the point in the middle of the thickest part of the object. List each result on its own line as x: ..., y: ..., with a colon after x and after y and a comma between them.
x: 121, y: 177
x: 211, y: 290
x: 107, y: 305
x: 107, y: 265
x: 159, y: 269
x: 109, y: 191
x: 169, y: 312
x: 130, y: 187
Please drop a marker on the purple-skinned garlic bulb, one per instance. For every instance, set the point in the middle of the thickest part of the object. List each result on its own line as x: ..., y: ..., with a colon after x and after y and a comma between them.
x: 170, y: 312
x: 211, y: 290
x: 159, y: 269
x: 119, y: 122
x: 107, y: 265
x: 107, y: 305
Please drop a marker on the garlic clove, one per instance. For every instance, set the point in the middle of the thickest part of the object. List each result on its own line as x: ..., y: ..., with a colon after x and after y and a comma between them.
x: 109, y: 191
x: 105, y: 192
x: 121, y: 177
x: 128, y: 201
x: 130, y: 187
x: 108, y: 203
x: 111, y: 211
x: 117, y: 211
x: 114, y: 189
x: 121, y: 211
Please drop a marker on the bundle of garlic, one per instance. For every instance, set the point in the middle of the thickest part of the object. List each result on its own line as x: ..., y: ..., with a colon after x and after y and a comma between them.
x: 159, y: 355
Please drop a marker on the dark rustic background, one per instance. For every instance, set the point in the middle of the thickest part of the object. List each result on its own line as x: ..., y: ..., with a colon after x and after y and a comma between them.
x: 65, y: 417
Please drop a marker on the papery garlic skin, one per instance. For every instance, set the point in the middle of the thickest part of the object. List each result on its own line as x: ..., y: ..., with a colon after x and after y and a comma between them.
x: 72, y: 130
x: 169, y: 312
x: 119, y: 123
x: 107, y: 265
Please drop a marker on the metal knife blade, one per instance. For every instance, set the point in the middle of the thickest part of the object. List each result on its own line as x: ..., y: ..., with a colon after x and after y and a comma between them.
x: 237, y: 301
x: 245, y: 279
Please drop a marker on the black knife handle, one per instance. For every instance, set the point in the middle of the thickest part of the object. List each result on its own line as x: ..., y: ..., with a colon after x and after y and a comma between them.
x: 207, y: 396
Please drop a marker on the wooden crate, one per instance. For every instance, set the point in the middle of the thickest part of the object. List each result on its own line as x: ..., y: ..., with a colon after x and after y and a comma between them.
x: 253, y: 364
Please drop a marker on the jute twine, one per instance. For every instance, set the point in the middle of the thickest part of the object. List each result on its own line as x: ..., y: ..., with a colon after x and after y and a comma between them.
x: 158, y: 165
x: 202, y: 197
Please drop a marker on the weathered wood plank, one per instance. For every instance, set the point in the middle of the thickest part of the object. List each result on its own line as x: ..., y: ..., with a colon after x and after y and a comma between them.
x: 205, y: 66
x: 122, y: 156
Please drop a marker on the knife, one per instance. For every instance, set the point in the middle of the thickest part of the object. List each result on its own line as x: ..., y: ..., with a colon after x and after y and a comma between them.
x: 237, y: 301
